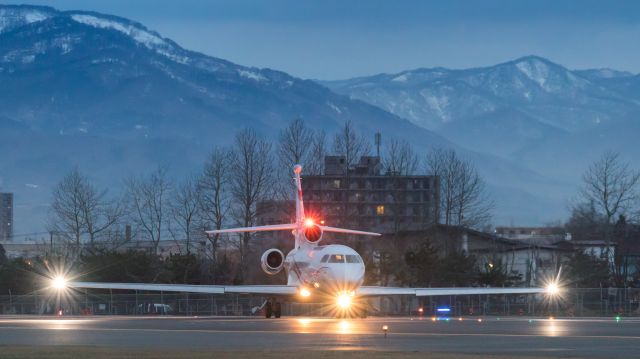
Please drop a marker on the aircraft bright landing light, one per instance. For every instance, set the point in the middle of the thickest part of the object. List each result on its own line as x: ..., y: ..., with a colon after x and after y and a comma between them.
x: 344, y: 301
x: 309, y: 222
x: 59, y: 282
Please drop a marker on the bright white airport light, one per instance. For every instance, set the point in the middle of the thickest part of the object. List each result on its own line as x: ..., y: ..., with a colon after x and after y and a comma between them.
x: 304, y: 292
x: 59, y: 282
x: 553, y: 289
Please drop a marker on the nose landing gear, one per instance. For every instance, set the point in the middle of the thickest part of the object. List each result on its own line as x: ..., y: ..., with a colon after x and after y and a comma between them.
x: 273, y: 308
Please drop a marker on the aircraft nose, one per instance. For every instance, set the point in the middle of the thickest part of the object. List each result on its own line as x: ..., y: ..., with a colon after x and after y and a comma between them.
x: 349, y: 279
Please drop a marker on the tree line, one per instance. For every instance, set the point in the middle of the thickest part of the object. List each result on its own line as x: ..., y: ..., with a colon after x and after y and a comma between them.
x: 155, y: 207
x: 607, y: 209
x: 91, y: 225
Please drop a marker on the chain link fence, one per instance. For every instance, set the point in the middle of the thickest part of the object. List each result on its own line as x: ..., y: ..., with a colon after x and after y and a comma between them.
x: 570, y: 303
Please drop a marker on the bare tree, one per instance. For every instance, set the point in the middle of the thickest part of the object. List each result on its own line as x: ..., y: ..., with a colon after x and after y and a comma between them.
x: 100, y: 213
x: 463, y: 197
x: 294, y: 144
x: 148, y: 202
x: 80, y: 209
x: 184, y: 209
x: 610, y: 185
x: 444, y: 164
x: 293, y: 147
x: 473, y: 202
x: 67, y: 215
x: 400, y: 158
x: 348, y: 143
x: 250, y: 181
x: 214, y: 198
x: 315, y: 163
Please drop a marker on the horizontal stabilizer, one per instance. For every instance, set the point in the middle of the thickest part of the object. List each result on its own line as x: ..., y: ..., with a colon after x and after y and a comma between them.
x: 274, y: 227
x: 348, y: 231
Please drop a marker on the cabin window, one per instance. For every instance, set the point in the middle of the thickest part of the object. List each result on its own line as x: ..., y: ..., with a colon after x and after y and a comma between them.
x: 336, y: 258
x: 351, y: 258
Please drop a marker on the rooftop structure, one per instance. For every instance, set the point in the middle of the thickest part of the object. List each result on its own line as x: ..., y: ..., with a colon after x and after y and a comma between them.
x: 6, y: 216
x: 363, y: 197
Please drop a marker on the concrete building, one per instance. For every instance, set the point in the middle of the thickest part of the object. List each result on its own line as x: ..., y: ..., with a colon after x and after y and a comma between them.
x: 6, y: 216
x: 528, y: 262
x: 364, y: 197
x: 539, y: 235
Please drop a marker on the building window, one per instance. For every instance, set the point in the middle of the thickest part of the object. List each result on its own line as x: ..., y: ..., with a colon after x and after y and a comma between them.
x: 336, y: 183
x: 380, y: 210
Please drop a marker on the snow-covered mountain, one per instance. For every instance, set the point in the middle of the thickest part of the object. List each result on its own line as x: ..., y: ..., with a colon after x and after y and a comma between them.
x: 81, y: 73
x: 115, y: 98
x: 109, y: 95
x: 506, y: 109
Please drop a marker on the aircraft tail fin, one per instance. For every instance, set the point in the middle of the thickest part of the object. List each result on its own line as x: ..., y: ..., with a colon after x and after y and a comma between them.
x: 297, y: 169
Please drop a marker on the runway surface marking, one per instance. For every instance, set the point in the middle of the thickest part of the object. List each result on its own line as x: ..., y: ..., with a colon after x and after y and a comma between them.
x: 205, y: 331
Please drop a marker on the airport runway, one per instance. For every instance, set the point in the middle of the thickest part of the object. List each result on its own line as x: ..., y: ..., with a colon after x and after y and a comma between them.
x: 597, y: 338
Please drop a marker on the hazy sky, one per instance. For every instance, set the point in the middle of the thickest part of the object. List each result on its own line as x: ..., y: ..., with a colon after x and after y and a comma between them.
x: 328, y: 39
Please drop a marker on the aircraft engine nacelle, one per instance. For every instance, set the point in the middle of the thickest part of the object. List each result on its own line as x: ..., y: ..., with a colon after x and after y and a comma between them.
x: 272, y: 261
x: 313, y: 234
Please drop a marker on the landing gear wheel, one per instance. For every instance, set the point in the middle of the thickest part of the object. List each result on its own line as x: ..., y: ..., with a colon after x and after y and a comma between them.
x: 363, y: 313
x: 268, y: 310
x: 278, y: 310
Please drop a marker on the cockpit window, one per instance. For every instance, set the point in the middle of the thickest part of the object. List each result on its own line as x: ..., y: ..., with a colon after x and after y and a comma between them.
x: 351, y: 258
x: 325, y: 258
x: 336, y: 258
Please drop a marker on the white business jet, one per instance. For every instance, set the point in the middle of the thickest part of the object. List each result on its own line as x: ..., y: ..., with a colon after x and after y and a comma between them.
x: 333, y: 272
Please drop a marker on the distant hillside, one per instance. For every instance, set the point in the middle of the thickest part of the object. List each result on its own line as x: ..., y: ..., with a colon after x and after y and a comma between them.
x: 115, y: 98
x: 529, y: 110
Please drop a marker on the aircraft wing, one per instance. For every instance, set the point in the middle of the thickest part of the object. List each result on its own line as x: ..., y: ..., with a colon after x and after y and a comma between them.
x: 422, y: 292
x: 191, y: 288
x: 348, y: 231
x: 274, y: 227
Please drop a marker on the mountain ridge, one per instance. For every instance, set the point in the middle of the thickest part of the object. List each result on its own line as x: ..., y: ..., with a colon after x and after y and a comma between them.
x: 117, y: 99
x: 520, y: 97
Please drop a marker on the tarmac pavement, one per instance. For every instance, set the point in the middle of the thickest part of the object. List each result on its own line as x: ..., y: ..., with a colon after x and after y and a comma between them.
x: 594, y: 338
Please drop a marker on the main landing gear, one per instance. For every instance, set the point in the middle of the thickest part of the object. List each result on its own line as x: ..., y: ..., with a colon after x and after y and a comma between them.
x: 273, y: 308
